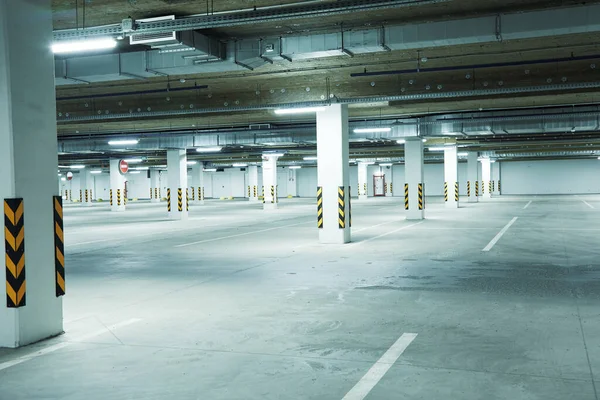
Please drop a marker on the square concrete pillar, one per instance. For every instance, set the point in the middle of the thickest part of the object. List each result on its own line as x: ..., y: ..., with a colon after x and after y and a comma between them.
x: 414, y: 178
x: 451, y: 185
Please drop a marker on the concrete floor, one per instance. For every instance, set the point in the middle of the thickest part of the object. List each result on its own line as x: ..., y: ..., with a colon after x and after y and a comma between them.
x: 257, y: 309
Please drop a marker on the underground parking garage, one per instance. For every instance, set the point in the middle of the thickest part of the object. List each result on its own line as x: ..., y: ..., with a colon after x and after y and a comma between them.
x: 383, y: 199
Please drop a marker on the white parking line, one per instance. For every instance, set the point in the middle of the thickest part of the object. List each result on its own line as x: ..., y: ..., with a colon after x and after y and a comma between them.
x: 499, y: 235
x: 58, y: 346
x: 527, y: 205
x: 587, y: 204
x: 240, y: 234
x: 372, y: 226
x: 379, y: 369
x: 385, y: 234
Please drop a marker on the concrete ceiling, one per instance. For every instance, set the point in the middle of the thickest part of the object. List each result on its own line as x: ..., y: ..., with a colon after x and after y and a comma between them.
x: 335, y: 77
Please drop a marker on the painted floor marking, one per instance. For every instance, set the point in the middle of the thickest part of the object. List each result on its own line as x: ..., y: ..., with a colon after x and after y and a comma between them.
x: 379, y: 369
x: 587, y: 204
x: 372, y: 226
x: 58, y: 346
x: 240, y: 234
x: 527, y: 205
x: 385, y: 234
x: 499, y: 235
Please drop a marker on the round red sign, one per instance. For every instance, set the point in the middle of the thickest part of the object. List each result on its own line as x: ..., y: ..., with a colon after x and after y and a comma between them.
x: 123, y: 167
x: 69, y: 175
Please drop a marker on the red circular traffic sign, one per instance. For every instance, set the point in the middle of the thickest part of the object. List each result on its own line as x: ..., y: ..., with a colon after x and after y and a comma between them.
x: 123, y: 167
x: 69, y: 175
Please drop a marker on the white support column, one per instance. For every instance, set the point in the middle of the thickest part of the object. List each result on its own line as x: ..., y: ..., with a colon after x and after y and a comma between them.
x: 473, y: 177
x: 363, y: 185
x: 496, y: 178
x: 413, y: 170
x: 486, y: 177
x: 155, y: 186
x: 177, y: 165
x: 389, y: 179
x: 86, y: 185
x: 117, y: 187
x: 334, y: 174
x: 292, y: 182
x: 269, y: 169
x: 198, y: 183
x: 451, y: 176
x: 255, y: 190
x: 28, y: 161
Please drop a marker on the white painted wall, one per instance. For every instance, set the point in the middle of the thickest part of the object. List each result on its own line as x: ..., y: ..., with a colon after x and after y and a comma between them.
x: 550, y: 177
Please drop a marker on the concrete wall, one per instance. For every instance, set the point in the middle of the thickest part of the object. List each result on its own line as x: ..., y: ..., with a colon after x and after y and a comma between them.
x: 550, y: 177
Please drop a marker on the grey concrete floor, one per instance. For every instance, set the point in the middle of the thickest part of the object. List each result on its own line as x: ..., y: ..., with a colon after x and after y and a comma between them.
x: 257, y: 309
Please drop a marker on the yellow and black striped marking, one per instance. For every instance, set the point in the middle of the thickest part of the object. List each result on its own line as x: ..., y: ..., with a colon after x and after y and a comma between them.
x: 59, y: 247
x: 169, y: 199
x: 87, y: 196
x: 445, y: 191
x: 202, y: 193
x: 272, y: 194
x: 456, y: 191
x: 468, y: 188
x: 498, y: 186
x: 477, y: 188
x: 179, y: 200
x: 14, y: 243
x: 320, y: 207
x: 150, y: 193
x: 187, y: 199
x: 156, y: 193
x: 391, y: 188
x: 248, y: 191
x: 350, y: 206
x: 490, y: 187
x: 482, y: 187
x: 406, y: 196
x: 111, y: 197
x: 80, y: 196
x: 366, y: 192
x: 193, y: 194
x: 124, y: 197
x: 255, y: 191
x: 341, y: 208
x: 420, y: 194
x: 263, y: 194
x: 91, y: 196
x: 493, y: 186
x: 118, y: 197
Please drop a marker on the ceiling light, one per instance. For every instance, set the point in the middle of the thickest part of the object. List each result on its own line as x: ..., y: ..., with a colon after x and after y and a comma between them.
x: 449, y: 144
x: 63, y: 179
x: 386, y: 165
x: 424, y: 140
x: 63, y: 166
x: 141, y: 168
x: 372, y: 130
x: 62, y: 47
x: 401, y: 141
x: 311, y: 158
x: 273, y: 154
x: 210, y: 170
x: 135, y: 172
x: 213, y: 149
x: 437, y: 148
x: 134, y: 160
x: 295, y: 166
x: 462, y: 154
x: 192, y: 162
x: 492, y: 161
x: 240, y: 165
x: 123, y: 142
x: 96, y: 172
x: 59, y: 174
x: 77, y: 166
x: 299, y: 110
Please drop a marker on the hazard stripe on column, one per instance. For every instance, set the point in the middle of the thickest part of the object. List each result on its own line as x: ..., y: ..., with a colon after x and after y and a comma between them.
x: 187, y: 200
x: 118, y: 197
x: 445, y: 191
x: 320, y: 207
x: 468, y: 188
x: 179, y: 200
x: 406, y: 196
x: 156, y: 193
x: 14, y: 244
x: 341, y: 208
x: 111, y: 197
x: 59, y: 247
x: 456, y: 191
x: 169, y: 199
x: 420, y: 194
x: 476, y: 188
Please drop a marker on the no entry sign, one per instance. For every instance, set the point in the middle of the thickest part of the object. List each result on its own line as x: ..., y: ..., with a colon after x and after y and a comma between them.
x: 123, y: 167
x: 69, y: 175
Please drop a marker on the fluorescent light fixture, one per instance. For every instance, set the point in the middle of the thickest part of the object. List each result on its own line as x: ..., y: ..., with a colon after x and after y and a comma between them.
x: 386, y: 165
x: 273, y: 154
x: 436, y: 148
x: 134, y: 160
x: 77, y: 166
x: 141, y: 168
x: 213, y: 149
x: 210, y: 170
x: 372, y: 130
x: 63, y: 166
x: 367, y: 162
x: 462, y: 154
x: 424, y: 140
x: 123, y: 142
x: 96, y: 172
x: 63, y: 179
x: 59, y: 174
x: 310, y: 158
x: 295, y: 166
x: 492, y: 161
x: 400, y: 141
x: 299, y: 110
x: 135, y: 172
x: 75, y: 46
x: 449, y: 144
x: 239, y: 165
x: 192, y: 162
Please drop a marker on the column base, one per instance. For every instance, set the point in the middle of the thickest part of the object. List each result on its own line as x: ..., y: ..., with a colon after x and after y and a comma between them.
x: 86, y: 204
x: 363, y: 197
x: 117, y: 208
x: 339, y: 236
x: 198, y: 202
x: 473, y: 199
x: 451, y: 204
x: 253, y: 200
x: 270, y: 206
x: 415, y: 215
x: 178, y: 216
x: 154, y: 200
